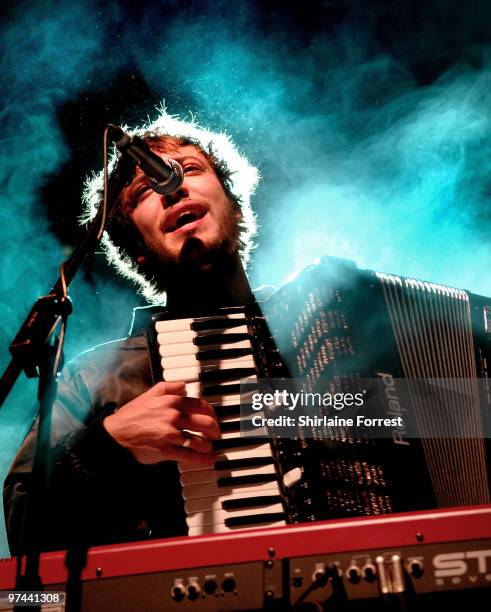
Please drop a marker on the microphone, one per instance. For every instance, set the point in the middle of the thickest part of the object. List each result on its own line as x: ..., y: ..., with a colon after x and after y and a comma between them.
x: 165, y: 175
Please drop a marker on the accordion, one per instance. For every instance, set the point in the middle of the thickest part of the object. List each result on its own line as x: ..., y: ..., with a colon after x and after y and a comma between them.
x: 334, y: 327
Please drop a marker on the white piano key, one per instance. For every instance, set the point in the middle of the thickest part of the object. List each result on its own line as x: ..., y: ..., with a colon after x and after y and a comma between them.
x: 229, y: 400
x: 183, y: 348
x: 231, y: 418
x: 240, y: 415
x: 212, y: 489
x: 213, y: 517
x: 222, y: 528
x: 193, y: 389
x: 233, y: 400
x: 241, y: 429
x: 246, y: 361
x: 257, y: 432
x: 188, y: 335
x: 192, y: 372
x: 179, y: 361
x: 254, y: 450
x: 203, y: 504
x: 188, y: 348
x: 173, y: 325
x: 201, y: 476
x: 179, y: 337
x: 181, y: 374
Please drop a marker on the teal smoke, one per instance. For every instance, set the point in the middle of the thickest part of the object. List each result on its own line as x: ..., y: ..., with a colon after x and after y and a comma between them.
x: 360, y: 160
x: 48, y: 56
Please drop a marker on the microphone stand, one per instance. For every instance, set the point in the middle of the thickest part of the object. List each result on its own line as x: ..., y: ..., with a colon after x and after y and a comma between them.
x: 36, y: 351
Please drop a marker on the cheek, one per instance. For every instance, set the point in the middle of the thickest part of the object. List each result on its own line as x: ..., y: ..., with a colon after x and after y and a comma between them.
x: 145, y: 220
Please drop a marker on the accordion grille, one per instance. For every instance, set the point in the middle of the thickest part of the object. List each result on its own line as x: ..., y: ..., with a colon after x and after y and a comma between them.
x: 433, y: 332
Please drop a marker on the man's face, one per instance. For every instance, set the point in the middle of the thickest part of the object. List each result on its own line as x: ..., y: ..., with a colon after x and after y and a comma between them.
x: 188, y: 225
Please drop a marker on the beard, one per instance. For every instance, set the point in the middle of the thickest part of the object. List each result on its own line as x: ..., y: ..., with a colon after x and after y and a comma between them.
x: 196, y: 262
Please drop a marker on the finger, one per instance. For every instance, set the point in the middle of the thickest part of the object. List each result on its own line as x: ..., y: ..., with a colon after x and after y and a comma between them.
x: 203, y: 423
x: 167, y: 388
x: 195, y: 405
x: 190, y: 441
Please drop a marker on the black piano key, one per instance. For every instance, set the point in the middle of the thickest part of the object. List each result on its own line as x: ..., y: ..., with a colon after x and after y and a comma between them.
x: 230, y: 464
x: 221, y: 390
x: 207, y: 324
x: 251, y: 502
x: 224, y: 375
x: 219, y: 339
x: 237, y: 426
x: 234, y: 353
x: 224, y: 411
x: 230, y: 481
x: 254, y: 519
x: 228, y: 426
x: 236, y: 442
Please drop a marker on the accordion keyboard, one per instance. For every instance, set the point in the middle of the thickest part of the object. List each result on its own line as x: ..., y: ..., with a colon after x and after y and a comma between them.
x: 211, y: 355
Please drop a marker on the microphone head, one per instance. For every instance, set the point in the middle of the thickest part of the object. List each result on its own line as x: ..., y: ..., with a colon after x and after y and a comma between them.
x: 118, y: 136
x: 174, y: 182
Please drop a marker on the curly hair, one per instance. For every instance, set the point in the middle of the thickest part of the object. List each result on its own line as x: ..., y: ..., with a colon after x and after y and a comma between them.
x: 122, y: 242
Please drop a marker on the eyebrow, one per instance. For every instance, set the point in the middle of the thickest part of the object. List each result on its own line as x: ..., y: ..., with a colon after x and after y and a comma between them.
x: 128, y: 194
x: 186, y: 156
x: 140, y: 177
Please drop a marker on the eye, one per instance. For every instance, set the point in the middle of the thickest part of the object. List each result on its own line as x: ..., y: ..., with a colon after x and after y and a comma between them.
x: 139, y: 193
x: 191, y: 167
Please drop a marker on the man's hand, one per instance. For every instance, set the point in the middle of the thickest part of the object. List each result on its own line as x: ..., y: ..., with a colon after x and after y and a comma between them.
x: 151, y: 426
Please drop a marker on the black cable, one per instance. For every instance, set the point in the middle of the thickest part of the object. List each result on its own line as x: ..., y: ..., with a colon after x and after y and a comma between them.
x: 64, y: 299
x: 318, y: 583
x: 106, y: 179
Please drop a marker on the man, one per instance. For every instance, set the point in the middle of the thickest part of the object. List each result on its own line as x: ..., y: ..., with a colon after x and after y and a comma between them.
x: 116, y: 436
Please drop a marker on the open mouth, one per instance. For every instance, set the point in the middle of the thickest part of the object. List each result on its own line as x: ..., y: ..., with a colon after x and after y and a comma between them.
x: 186, y: 218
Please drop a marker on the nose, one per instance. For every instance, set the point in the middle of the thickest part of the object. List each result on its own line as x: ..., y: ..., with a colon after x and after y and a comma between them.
x: 175, y: 197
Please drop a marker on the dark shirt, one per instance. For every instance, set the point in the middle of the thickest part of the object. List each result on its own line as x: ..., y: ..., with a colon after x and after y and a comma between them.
x: 99, y: 493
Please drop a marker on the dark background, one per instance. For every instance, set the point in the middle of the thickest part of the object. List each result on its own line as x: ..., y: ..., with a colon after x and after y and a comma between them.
x: 369, y: 121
